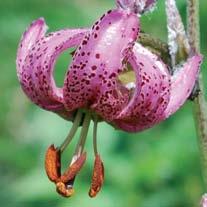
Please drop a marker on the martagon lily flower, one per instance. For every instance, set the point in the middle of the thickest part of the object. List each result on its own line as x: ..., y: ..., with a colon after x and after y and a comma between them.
x: 96, y: 87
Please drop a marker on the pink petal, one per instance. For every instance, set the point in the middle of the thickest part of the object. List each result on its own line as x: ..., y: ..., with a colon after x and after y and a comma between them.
x: 126, y: 4
x: 35, y: 31
x: 204, y: 201
x: 151, y: 94
x: 35, y: 60
x: 137, y: 6
x: 183, y: 82
x: 45, y: 55
x: 174, y: 92
x: 92, y: 78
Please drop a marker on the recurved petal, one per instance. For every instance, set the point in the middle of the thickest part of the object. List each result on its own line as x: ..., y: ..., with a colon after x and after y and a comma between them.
x: 150, y: 3
x: 182, y: 85
x: 137, y: 6
x: 44, y: 56
x: 92, y: 78
x: 204, y: 201
x: 34, y: 32
x: 126, y: 4
x: 151, y: 94
x: 36, y: 57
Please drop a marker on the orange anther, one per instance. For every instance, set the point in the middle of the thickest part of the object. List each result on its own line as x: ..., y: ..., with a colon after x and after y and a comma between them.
x: 52, y: 163
x: 97, y: 178
x: 63, y: 190
x: 74, y: 169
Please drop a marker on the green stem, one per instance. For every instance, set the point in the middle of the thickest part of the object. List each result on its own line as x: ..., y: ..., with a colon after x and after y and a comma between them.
x: 72, y: 131
x: 83, y: 135
x: 200, y: 105
x: 193, y: 25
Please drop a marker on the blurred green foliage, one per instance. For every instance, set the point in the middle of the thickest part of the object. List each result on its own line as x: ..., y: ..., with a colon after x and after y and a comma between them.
x: 157, y: 168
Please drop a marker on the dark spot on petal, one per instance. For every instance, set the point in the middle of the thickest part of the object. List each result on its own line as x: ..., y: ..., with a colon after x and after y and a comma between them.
x: 94, y: 67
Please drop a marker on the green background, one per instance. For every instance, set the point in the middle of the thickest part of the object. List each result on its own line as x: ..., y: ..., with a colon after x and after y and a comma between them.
x: 157, y: 168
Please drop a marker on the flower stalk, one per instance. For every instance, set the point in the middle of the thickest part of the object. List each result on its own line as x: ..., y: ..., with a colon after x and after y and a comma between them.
x: 200, y: 105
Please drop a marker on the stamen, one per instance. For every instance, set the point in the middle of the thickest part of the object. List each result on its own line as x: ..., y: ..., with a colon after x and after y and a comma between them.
x: 98, y: 171
x: 79, y: 157
x: 64, y: 182
x: 72, y: 132
x: 62, y: 189
x: 83, y: 136
x: 52, y: 163
x: 72, y: 171
x: 64, y: 185
x: 97, y: 178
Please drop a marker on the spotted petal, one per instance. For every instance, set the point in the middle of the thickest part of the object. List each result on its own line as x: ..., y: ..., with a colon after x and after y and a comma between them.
x: 36, y: 57
x: 151, y: 94
x: 172, y: 94
x: 182, y: 83
x: 35, y: 31
x: 92, y: 78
